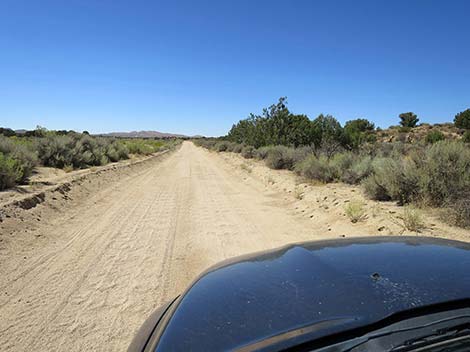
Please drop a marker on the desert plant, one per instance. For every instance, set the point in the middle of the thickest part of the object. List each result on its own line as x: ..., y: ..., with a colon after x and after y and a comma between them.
x: 360, y: 169
x: 298, y: 193
x: 434, y: 136
x: 316, y: 168
x: 355, y: 210
x: 445, y: 173
x: 462, y: 119
x: 10, y: 171
x: 248, y: 152
x: 408, y: 119
x: 458, y: 211
x: 237, y: 148
x: 466, y: 137
x: 262, y: 153
x: 246, y: 167
x: 281, y: 157
x: 412, y: 220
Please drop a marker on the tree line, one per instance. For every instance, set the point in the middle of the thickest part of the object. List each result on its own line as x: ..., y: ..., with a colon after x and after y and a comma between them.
x: 279, y: 126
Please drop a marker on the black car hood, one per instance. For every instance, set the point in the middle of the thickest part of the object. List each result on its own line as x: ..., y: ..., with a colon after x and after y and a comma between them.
x: 308, y: 291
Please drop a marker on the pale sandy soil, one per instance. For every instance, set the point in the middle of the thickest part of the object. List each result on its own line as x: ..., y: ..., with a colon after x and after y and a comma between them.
x: 84, y: 267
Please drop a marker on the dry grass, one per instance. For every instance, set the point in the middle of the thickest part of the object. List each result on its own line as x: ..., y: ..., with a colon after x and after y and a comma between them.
x: 246, y: 167
x: 355, y: 211
x: 412, y: 219
x: 298, y: 193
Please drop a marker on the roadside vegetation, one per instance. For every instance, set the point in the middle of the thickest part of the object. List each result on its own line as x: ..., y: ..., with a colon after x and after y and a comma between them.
x: 68, y: 150
x: 411, y: 164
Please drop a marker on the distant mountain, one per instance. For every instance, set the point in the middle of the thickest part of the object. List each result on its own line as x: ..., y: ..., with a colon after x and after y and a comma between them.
x: 143, y: 134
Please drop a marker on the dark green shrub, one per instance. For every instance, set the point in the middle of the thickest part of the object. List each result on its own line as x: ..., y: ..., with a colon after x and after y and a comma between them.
x: 462, y: 119
x: 408, y: 119
x: 434, y: 136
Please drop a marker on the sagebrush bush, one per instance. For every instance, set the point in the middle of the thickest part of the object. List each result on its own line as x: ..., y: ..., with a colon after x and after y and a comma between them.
x: 248, y: 152
x: 10, y: 171
x: 466, y: 137
x: 237, y: 148
x: 262, y: 153
x: 281, y: 157
x: 446, y: 172
x: 222, y: 146
x: 458, y: 211
x: 434, y: 136
x: 22, y: 153
x: 359, y: 170
x: 316, y: 168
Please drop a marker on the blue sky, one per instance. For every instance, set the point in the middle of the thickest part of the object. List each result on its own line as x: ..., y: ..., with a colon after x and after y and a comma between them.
x: 196, y: 67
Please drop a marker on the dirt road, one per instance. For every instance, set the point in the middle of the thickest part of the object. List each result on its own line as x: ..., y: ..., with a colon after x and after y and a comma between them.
x: 103, y: 267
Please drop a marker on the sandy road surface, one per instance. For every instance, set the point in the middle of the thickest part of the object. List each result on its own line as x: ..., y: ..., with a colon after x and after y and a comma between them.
x: 133, y: 246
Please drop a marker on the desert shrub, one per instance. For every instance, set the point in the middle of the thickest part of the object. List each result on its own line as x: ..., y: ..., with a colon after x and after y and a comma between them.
x: 466, y: 137
x: 374, y: 189
x: 237, y: 148
x: 316, y: 168
x: 458, y: 211
x: 142, y: 146
x: 248, y: 152
x: 462, y: 119
x: 340, y: 163
x: 434, y: 136
x: 222, y: 146
x: 412, y: 219
x: 393, y: 179
x: 278, y: 157
x: 445, y: 172
x: 408, y: 119
x: 355, y: 211
x: 262, y: 153
x: 23, y: 154
x: 359, y: 170
x: 10, y: 171
x: 117, y: 151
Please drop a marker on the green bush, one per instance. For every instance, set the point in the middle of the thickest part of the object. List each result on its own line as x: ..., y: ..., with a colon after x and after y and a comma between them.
x: 462, y: 119
x: 359, y: 170
x: 446, y: 172
x: 466, y: 137
x: 279, y: 157
x: 10, y: 171
x: 22, y: 153
x: 316, y: 168
x: 408, y: 119
x: 434, y: 136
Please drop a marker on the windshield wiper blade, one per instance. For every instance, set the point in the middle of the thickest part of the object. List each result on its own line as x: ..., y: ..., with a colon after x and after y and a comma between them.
x: 444, y: 334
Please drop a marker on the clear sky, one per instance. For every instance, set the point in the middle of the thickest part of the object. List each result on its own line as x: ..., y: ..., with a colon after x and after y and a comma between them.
x: 196, y: 67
